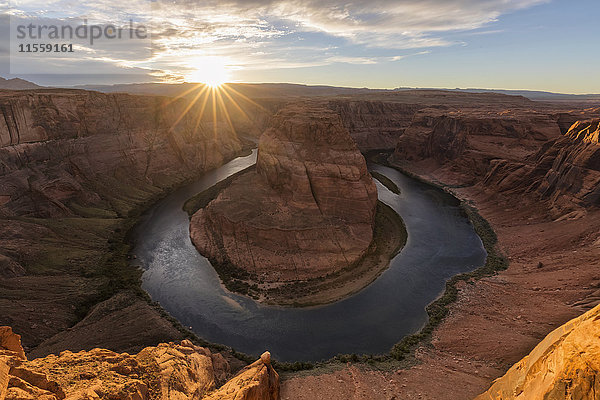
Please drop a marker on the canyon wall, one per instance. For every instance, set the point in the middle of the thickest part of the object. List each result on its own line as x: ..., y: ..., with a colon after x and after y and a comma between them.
x: 465, y: 142
x: 374, y: 124
x: 60, y: 147
x: 565, y: 171
x: 306, y: 212
x: 74, y: 165
x: 167, y: 371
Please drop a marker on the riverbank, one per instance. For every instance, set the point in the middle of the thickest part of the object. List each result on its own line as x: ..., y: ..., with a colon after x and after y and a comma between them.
x: 389, y: 236
x: 553, y: 275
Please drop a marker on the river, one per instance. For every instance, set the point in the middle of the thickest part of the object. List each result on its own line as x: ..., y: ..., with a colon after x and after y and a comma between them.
x: 441, y: 243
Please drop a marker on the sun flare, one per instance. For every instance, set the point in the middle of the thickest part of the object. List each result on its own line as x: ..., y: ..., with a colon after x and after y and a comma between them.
x: 211, y: 71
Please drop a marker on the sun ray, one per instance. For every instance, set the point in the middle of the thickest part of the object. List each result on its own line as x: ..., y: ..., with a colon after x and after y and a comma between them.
x: 187, y: 109
x: 225, y: 111
x: 202, y: 108
x: 185, y: 93
x: 214, y: 110
x: 235, y: 103
x: 244, y: 97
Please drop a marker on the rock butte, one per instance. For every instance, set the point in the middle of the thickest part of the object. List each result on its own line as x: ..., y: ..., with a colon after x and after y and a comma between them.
x: 168, y: 371
x: 306, y: 212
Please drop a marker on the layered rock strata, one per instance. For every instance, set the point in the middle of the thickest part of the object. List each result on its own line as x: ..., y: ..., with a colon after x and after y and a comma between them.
x: 565, y: 171
x: 306, y: 212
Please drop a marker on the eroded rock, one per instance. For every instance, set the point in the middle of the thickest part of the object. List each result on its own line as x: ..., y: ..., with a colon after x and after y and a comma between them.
x: 168, y: 371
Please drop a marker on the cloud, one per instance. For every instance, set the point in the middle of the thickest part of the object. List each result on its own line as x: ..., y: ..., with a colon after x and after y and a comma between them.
x: 257, y: 33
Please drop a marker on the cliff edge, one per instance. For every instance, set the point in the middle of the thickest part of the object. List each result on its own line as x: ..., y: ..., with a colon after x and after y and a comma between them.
x: 564, y: 365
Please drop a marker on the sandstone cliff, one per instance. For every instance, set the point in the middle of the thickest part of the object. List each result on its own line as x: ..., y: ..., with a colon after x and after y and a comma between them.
x: 63, y: 150
x: 564, y: 365
x: 465, y: 142
x: 307, y: 211
x: 168, y: 371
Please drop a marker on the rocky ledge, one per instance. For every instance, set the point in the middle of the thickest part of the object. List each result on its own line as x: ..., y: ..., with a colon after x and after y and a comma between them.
x: 306, y: 212
x: 168, y: 371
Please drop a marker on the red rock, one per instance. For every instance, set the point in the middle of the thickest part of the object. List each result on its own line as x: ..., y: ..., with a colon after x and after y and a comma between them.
x: 258, y: 381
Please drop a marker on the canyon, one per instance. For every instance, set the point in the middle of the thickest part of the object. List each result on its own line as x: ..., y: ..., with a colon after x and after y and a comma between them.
x: 76, y: 167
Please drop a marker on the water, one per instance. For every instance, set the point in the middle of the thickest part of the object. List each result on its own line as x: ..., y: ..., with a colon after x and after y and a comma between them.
x: 441, y: 243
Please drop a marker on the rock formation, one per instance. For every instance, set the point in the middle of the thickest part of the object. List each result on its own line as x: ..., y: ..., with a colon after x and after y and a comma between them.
x: 565, y: 171
x: 307, y: 211
x: 168, y: 371
x: 59, y: 147
x: 465, y: 142
x: 564, y: 365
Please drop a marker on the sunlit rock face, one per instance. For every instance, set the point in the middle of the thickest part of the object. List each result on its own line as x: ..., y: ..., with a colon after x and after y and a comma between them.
x: 167, y: 371
x: 564, y: 365
x: 307, y: 211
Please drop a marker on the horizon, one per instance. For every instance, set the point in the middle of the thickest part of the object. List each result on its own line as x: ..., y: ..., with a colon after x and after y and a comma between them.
x: 514, y: 45
x: 495, y: 90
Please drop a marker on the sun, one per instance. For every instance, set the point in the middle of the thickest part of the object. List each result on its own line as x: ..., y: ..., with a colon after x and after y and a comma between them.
x: 209, y: 70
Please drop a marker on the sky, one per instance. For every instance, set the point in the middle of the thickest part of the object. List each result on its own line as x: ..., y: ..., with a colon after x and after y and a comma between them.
x: 547, y: 45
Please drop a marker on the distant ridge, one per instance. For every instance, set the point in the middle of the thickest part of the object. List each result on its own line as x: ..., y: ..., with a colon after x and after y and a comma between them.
x: 17, y: 84
x: 248, y: 89
x: 530, y: 94
x: 291, y: 90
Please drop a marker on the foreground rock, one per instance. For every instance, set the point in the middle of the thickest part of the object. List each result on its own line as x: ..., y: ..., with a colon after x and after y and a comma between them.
x: 168, y: 371
x: 307, y: 211
x: 564, y: 365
